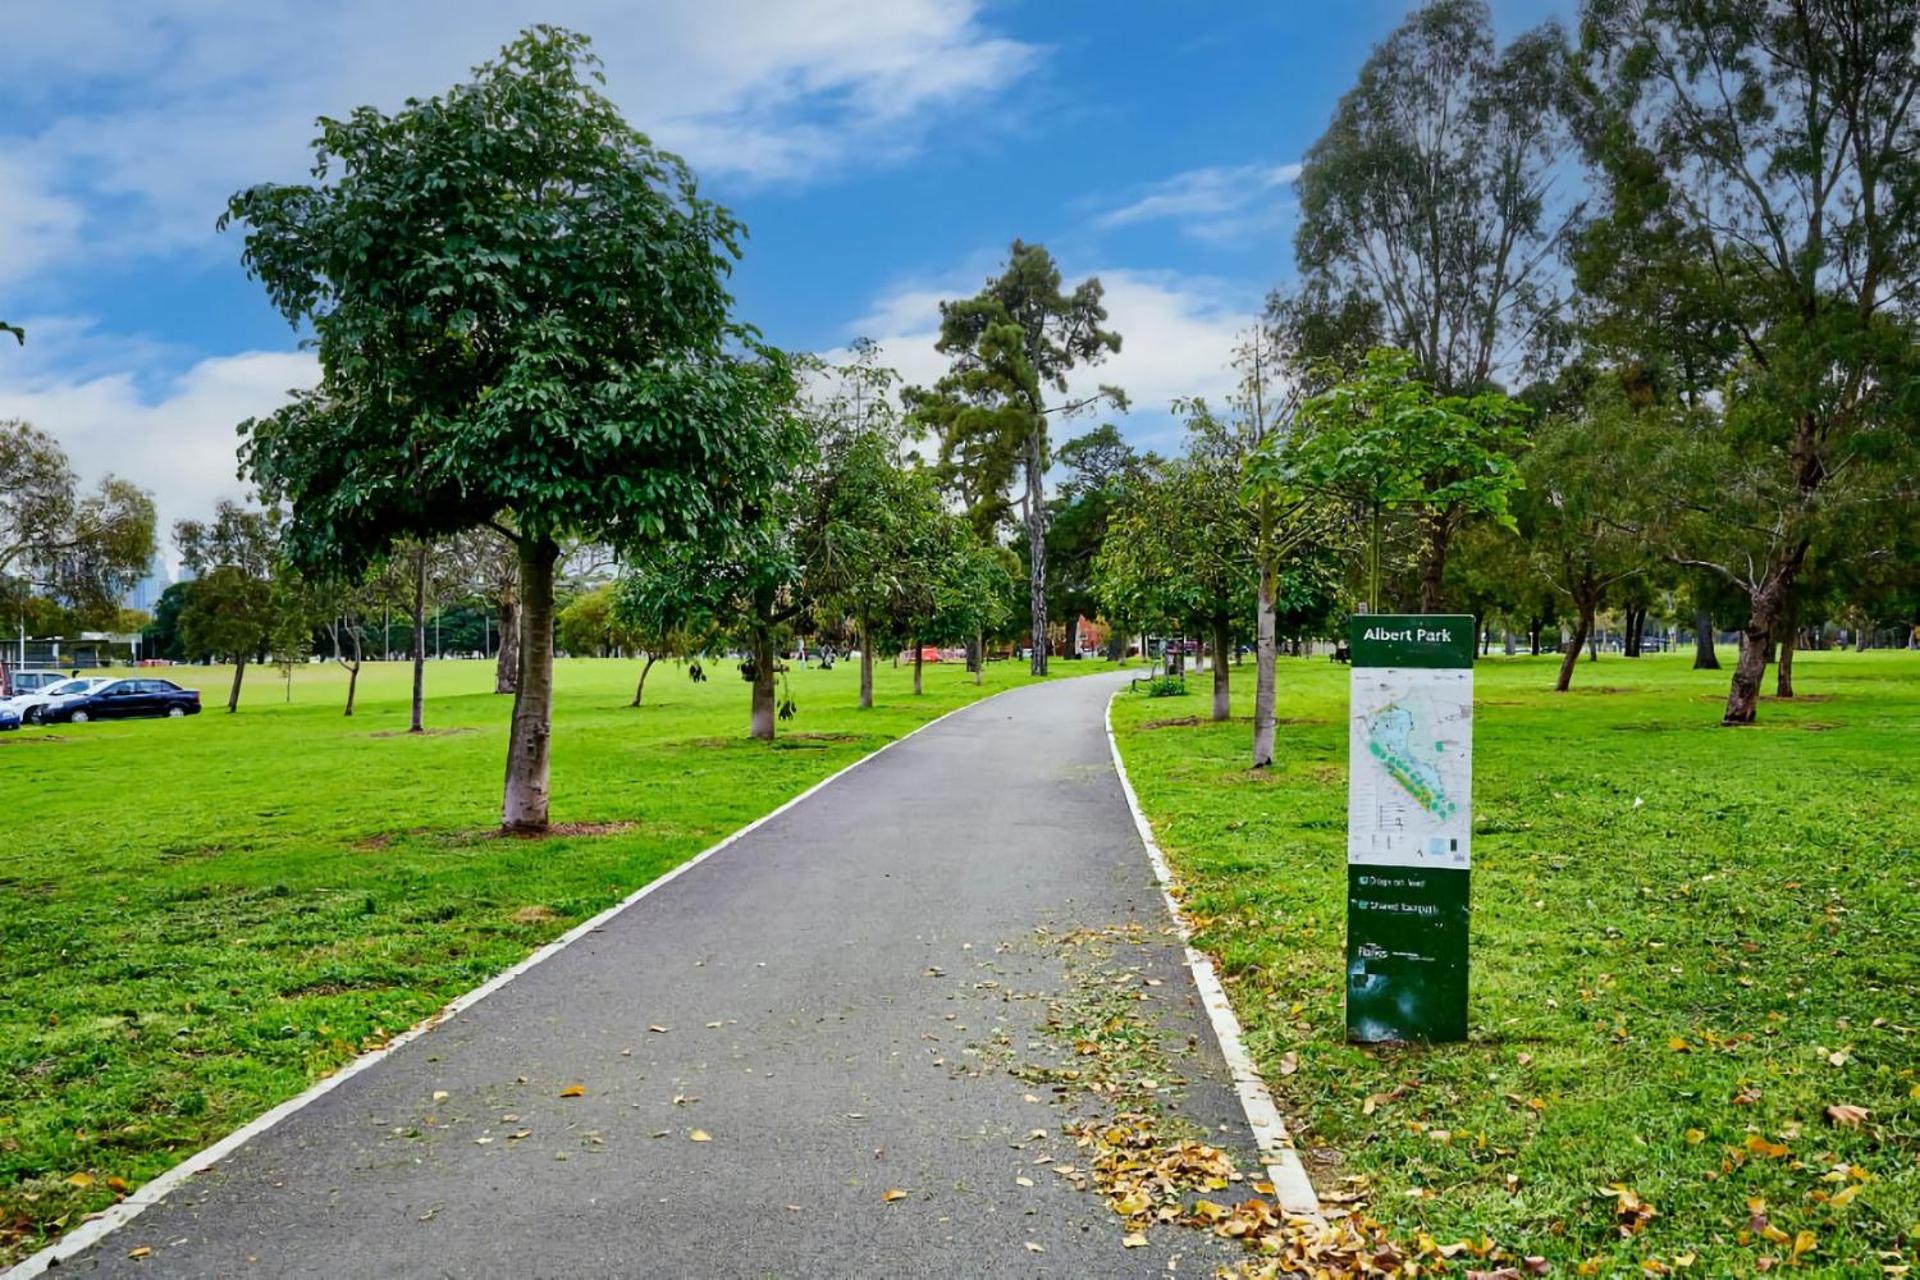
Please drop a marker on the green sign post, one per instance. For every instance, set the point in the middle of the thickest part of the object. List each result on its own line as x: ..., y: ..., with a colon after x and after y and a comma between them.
x: 1409, y: 826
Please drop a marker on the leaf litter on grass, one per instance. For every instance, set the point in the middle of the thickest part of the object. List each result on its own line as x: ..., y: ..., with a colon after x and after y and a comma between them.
x: 1154, y: 1168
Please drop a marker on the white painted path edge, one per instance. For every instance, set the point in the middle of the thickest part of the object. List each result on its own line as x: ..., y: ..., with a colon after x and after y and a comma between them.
x: 1291, y: 1186
x: 151, y: 1193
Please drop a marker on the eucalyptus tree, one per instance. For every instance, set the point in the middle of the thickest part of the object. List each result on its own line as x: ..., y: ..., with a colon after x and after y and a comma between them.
x: 82, y: 549
x: 520, y: 311
x: 1433, y: 208
x: 1579, y: 515
x: 1757, y: 160
x: 1012, y: 347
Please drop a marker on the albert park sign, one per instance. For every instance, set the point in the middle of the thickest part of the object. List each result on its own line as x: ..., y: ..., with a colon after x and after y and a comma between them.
x: 1409, y: 826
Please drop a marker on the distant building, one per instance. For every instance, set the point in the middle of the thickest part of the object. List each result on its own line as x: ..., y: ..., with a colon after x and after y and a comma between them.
x: 146, y: 593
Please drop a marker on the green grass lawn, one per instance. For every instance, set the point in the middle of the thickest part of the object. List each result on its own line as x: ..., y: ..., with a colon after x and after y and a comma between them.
x: 1688, y: 943
x: 200, y: 917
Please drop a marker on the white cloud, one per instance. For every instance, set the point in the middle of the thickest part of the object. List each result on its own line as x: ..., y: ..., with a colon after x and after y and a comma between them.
x: 1177, y: 337
x: 1218, y: 204
x: 125, y: 132
x: 175, y: 438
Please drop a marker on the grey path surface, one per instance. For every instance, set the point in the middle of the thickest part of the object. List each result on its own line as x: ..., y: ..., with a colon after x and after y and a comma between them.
x: 844, y: 950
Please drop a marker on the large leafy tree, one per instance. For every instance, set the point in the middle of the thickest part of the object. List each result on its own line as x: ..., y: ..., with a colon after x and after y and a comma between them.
x: 1760, y: 167
x: 1430, y: 210
x: 81, y: 549
x: 520, y: 312
x: 1386, y: 445
x: 1013, y: 345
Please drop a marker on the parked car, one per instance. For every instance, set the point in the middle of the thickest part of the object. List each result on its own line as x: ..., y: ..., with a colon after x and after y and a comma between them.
x: 8, y: 720
x: 35, y: 680
x: 125, y: 699
x: 31, y: 706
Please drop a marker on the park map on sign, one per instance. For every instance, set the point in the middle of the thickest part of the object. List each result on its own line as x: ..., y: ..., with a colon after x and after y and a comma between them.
x: 1409, y: 802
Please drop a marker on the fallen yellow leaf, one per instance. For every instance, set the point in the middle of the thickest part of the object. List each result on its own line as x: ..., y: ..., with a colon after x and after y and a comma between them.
x: 699, y: 1135
x: 894, y: 1194
x: 1696, y: 1136
x: 1137, y: 1240
x: 141, y: 1251
x: 574, y: 1091
x: 81, y: 1180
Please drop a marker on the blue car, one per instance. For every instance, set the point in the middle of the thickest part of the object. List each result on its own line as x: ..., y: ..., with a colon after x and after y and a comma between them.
x: 9, y: 719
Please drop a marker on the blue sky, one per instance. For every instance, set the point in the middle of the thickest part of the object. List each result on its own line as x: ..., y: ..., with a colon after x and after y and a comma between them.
x: 881, y: 152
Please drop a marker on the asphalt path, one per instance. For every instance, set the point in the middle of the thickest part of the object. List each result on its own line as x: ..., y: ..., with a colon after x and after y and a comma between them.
x: 819, y: 1015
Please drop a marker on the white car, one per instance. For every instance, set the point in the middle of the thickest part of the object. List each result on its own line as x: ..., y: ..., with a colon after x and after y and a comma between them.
x: 30, y: 707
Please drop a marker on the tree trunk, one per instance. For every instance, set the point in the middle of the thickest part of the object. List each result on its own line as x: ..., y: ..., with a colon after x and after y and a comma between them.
x: 233, y: 695
x: 761, y: 724
x: 919, y: 659
x: 640, y: 690
x: 1593, y: 642
x: 1037, y: 546
x: 866, y: 666
x: 1581, y: 631
x: 1264, y: 692
x: 1433, y: 568
x: 1769, y: 607
x: 419, y: 641
x: 1222, y: 694
x: 524, y: 808
x: 1704, y: 658
x: 506, y: 666
x: 353, y: 671
x: 1786, y: 637
x: 1533, y: 636
x: 979, y: 657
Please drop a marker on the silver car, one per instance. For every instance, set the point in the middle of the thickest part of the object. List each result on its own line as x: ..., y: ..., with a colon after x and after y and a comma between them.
x: 32, y: 707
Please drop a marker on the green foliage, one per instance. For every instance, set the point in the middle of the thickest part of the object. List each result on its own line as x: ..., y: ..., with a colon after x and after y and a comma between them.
x: 519, y: 308
x: 82, y: 550
x: 1382, y: 441
x: 1179, y: 550
x: 228, y: 616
